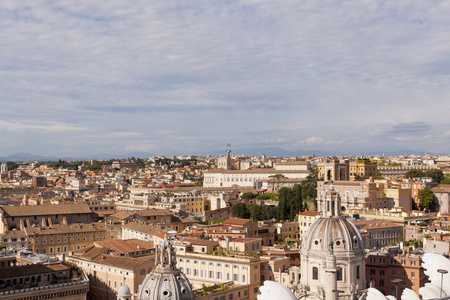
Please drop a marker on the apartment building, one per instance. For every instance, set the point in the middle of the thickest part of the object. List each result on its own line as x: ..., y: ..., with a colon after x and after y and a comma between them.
x: 305, y: 219
x: 379, y: 233
x: 391, y: 172
x: 415, y: 185
x: 241, y: 244
x: 141, y: 231
x: 442, y: 192
x: 246, y: 178
x: 19, y: 217
x: 272, y: 267
x: 190, y: 203
x: 287, y: 230
x: 213, y: 269
x: 354, y: 194
x: 394, y: 263
x: 61, y: 238
x: 154, y: 216
x: 362, y: 169
x: 108, y: 273
x: 42, y: 282
x: 368, y: 194
x: 14, y: 240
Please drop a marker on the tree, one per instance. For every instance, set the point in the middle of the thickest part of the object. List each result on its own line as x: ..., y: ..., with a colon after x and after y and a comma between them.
x: 248, y: 195
x: 283, y: 204
x: 379, y: 175
x: 12, y: 165
x: 276, y: 180
x: 239, y: 210
x: 436, y: 174
x: 414, y: 173
x: 263, y: 197
x: 427, y: 199
x: 255, y: 212
x: 446, y: 179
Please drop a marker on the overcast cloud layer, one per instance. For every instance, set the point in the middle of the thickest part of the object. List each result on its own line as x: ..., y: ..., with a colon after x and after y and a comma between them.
x: 187, y: 77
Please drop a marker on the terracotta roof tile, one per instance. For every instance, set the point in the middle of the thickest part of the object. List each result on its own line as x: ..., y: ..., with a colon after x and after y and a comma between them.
x: 120, y: 247
x: 44, y: 210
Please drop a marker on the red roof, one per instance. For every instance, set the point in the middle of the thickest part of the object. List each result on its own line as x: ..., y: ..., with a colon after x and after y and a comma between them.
x: 236, y: 221
x: 309, y: 213
x: 244, y: 240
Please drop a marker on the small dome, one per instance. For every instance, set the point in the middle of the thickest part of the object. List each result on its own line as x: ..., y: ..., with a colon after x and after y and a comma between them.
x: 337, y: 232
x: 124, y: 291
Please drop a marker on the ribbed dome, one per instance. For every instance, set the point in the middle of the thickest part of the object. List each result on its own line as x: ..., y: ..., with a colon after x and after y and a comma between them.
x: 162, y: 285
x: 165, y: 282
x: 339, y: 230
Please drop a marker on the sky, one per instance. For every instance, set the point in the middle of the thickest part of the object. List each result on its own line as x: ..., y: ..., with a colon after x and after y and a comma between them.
x: 187, y: 77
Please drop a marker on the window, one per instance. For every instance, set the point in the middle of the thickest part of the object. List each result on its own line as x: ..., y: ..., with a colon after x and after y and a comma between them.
x: 372, y: 271
x: 381, y: 282
x: 315, y: 273
x: 235, y: 277
x: 339, y: 274
x: 413, y: 275
x: 357, y: 272
x: 381, y: 272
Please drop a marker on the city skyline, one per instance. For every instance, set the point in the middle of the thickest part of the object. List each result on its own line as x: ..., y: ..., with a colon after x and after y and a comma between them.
x: 175, y: 78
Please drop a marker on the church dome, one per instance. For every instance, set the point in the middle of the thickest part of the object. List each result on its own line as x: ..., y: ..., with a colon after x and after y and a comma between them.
x: 165, y: 282
x: 124, y: 291
x: 332, y: 254
x: 165, y: 285
x: 337, y: 233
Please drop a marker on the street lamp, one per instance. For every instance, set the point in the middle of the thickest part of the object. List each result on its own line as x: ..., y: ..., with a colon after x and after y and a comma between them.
x: 442, y: 271
x: 396, y: 282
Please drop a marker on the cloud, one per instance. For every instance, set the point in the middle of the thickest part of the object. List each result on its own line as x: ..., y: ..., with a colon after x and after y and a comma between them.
x: 313, y: 141
x: 55, y: 127
x: 411, y: 128
x: 140, y: 147
x: 213, y: 71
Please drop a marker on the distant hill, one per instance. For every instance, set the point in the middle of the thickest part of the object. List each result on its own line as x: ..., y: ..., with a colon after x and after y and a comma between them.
x: 271, y: 152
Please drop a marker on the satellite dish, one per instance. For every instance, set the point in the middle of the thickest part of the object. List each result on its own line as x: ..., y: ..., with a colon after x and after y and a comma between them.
x: 11, y: 264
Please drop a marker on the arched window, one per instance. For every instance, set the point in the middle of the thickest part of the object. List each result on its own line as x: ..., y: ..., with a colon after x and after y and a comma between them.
x: 315, y: 273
